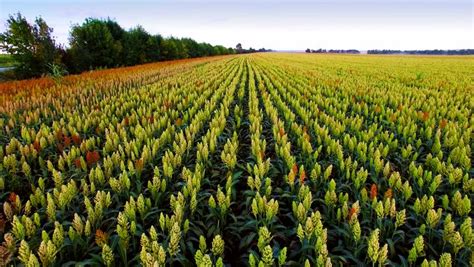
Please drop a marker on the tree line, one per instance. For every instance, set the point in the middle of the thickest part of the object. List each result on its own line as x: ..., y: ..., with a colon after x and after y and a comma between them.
x: 96, y: 43
x: 334, y: 51
x: 424, y: 52
x: 240, y: 50
x: 388, y: 52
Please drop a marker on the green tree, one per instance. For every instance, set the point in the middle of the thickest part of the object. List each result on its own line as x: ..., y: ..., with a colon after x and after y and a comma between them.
x: 182, y: 50
x: 115, y: 29
x: 168, y: 49
x: 32, y: 46
x: 153, y: 47
x: 136, y: 44
x: 194, y: 49
x: 173, y: 48
x: 209, y: 49
x: 92, y: 45
x: 220, y: 50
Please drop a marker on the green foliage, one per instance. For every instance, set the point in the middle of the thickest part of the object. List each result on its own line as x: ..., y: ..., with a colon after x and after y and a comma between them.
x: 101, y: 43
x: 57, y: 72
x: 93, y: 45
x: 31, y: 46
x: 6, y: 61
x: 139, y: 47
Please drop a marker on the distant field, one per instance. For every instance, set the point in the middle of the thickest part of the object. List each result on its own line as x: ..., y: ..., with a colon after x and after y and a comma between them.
x: 261, y: 160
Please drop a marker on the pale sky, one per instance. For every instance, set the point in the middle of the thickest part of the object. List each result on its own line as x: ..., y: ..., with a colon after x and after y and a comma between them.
x: 279, y: 25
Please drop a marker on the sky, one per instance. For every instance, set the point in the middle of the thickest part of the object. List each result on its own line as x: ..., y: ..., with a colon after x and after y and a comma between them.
x: 279, y: 25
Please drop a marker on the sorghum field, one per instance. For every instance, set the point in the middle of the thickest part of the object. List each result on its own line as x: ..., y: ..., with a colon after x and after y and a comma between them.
x: 261, y: 160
